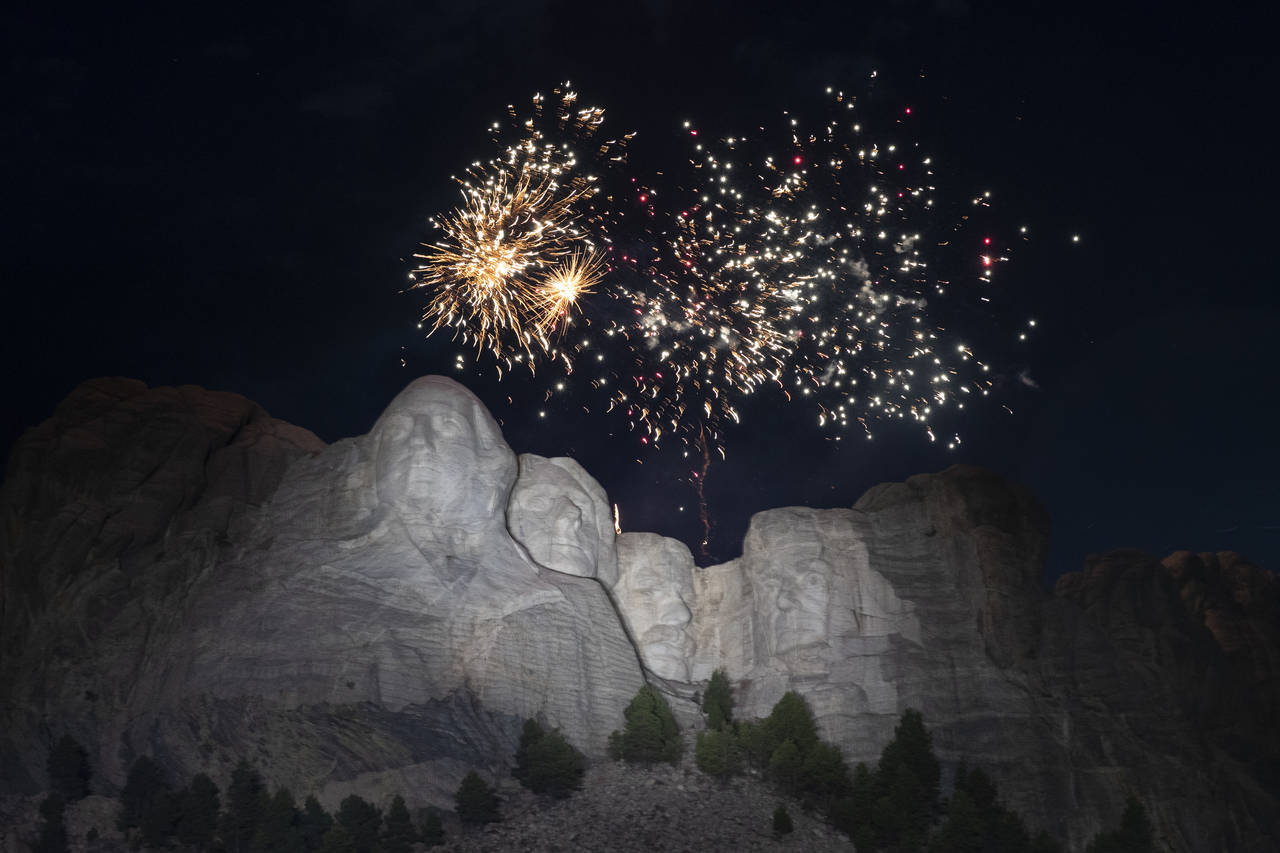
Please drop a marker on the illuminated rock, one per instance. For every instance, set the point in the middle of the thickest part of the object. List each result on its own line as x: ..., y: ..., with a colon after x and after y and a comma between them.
x: 368, y: 624
x: 563, y: 519
x: 654, y: 593
x: 183, y: 576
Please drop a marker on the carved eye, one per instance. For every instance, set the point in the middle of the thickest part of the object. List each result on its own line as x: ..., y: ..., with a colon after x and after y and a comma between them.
x: 449, y: 426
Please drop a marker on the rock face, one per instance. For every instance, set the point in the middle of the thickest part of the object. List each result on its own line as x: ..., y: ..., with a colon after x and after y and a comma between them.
x: 561, y: 516
x: 186, y: 577
x: 654, y: 592
x: 368, y: 624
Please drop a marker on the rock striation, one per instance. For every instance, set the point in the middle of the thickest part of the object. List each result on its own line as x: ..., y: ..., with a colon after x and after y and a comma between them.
x: 368, y: 623
x: 182, y: 575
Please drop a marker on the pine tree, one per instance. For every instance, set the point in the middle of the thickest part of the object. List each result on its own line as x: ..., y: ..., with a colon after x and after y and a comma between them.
x: 852, y: 812
x: 824, y: 776
x: 1135, y: 834
x: 198, y: 813
x: 144, y: 781
x: 53, y: 830
x: 976, y: 821
x: 246, y: 800
x: 277, y: 830
x: 1044, y: 843
x: 313, y: 824
x: 912, y: 749
x: 398, y: 834
x: 785, y: 766
x: 754, y: 741
x: 864, y: 794
x: 651, y: 733
x: 68, y: 766
x: 337, y: 840
x: 717, y: 754
x: 362, y: 821
x: 963, y: 830
x: 547, y: 763
x: 476, y: 800
x: 893, y: 807
x: 792, y: 720
x: 432, y: 830
x: 717, y: 704
x: 781, y: 821
x: 160, y: 819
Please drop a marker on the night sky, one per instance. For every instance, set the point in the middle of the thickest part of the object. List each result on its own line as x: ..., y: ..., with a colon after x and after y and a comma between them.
x: 232, y: 198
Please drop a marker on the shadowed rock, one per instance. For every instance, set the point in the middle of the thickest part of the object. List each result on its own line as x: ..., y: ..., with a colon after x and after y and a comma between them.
x: 186, y: 577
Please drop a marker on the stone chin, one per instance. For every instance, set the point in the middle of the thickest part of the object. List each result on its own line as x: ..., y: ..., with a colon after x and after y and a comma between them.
x: 561, y: 517
x: 666, y: 651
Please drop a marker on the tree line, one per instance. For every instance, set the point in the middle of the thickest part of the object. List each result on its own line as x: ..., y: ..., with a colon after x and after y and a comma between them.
x: 895, y: 806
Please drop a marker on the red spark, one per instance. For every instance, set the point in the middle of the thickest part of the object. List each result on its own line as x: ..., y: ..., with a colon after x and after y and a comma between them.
x: 799, y: 159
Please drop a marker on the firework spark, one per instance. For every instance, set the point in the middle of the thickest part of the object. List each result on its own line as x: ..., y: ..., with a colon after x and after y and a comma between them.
x: 516, y: 255
x: 566, y: 283
x: 807, y: 261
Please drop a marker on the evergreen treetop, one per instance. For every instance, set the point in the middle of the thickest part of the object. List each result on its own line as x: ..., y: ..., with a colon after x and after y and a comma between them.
x: 68, y: 766
x: 144, y: 781
x: 651, y: 733
x: 1135, y: 834
x: 398, y: 833
x: 277, y: 830
x: 313, y: 824
x: 791, y: 719
x: 337, y: 840
x: 717, y: 704
x: 246, y: 800
x: 717, y: 754
x: 781, y: 820
x: 53, y: 830
x: 362, y: 821
x: 547, y: 763
x: 476, y: 800
x: 198, y: 813
x: 432, y: 830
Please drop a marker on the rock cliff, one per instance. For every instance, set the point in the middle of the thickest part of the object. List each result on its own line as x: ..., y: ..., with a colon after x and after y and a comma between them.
x: 184, y: 576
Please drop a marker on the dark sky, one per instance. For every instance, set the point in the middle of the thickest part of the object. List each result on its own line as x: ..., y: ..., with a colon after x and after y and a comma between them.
x: 228, y: 196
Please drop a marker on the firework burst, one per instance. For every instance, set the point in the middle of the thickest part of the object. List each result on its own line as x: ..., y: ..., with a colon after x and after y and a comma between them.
x: 810, y: 260
x: 514, y: 257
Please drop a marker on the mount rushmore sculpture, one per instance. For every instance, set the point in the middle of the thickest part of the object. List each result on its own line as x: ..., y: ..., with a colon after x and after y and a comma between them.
x: 185, y: 576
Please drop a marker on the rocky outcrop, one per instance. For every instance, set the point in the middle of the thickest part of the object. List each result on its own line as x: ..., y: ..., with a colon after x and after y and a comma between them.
x: 1156, y: 701
x: 186, y: 577
x: 654, y: 592
x: 368, y: 623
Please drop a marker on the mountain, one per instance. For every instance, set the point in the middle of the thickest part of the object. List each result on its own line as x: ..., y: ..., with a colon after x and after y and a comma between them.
x: 182, y: 575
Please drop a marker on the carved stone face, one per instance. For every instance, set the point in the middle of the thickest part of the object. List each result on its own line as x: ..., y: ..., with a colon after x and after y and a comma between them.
x: 439, y: 458
x: 800, y: 598
x: 561, y: 516
x: 660, y: 617
x: 792, y: 598
x: 654, y: 586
